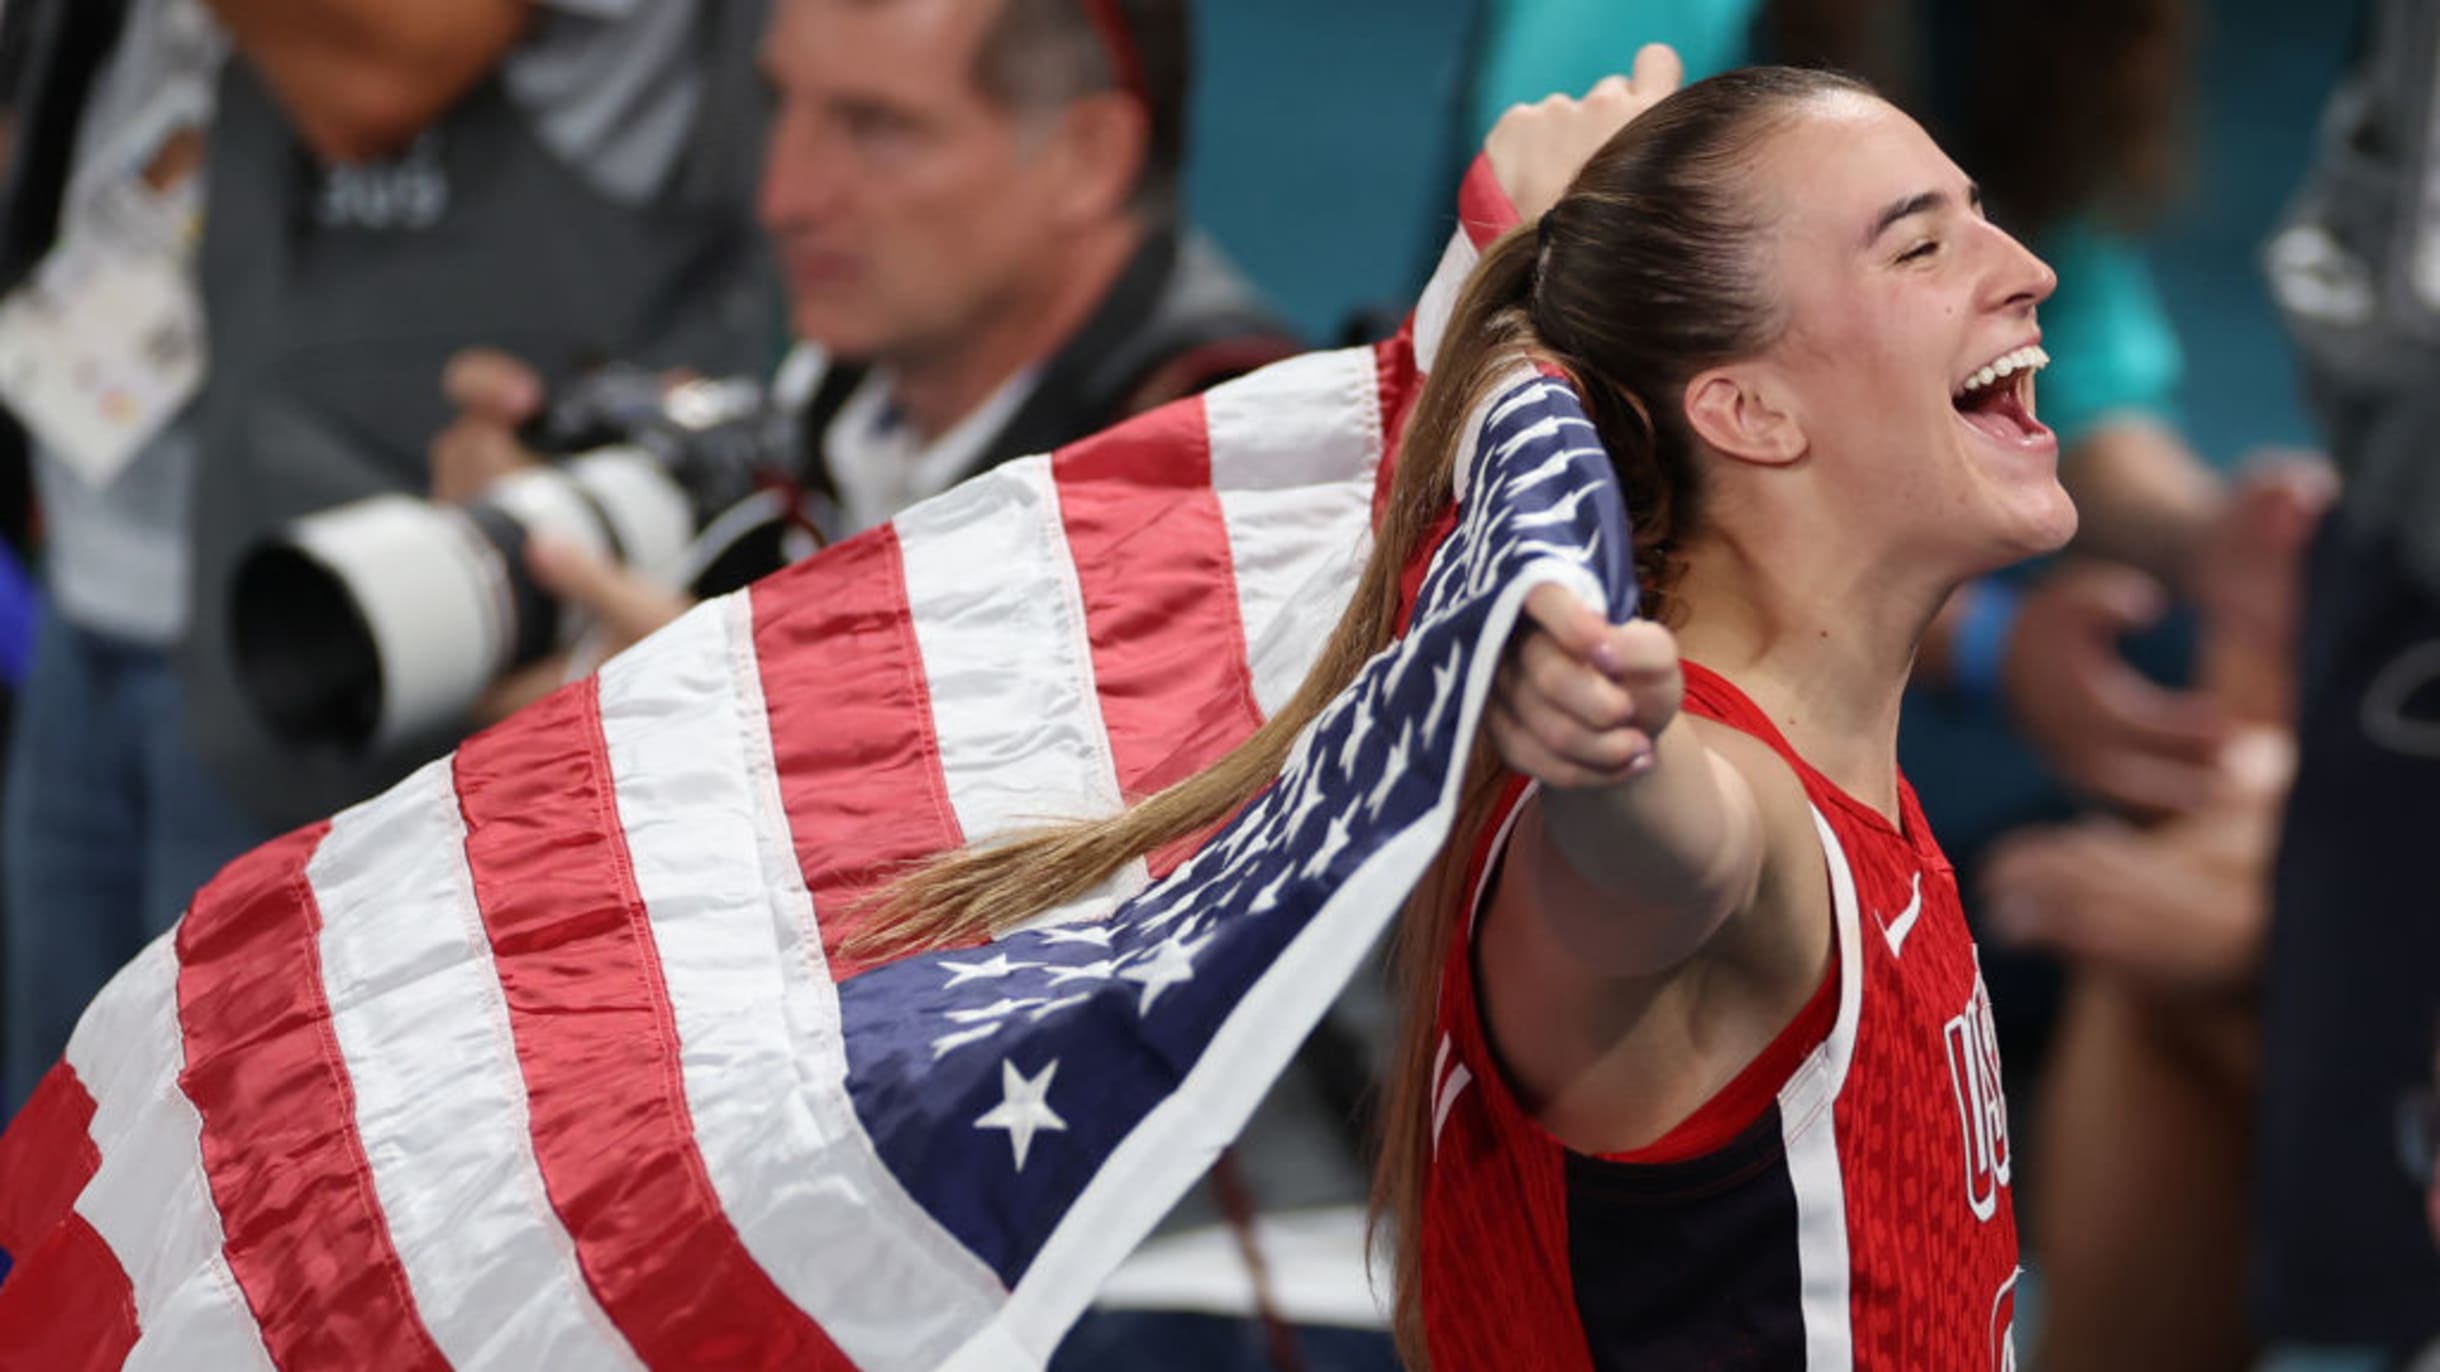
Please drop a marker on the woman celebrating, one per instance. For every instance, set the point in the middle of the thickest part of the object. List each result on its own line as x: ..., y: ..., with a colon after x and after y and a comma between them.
x: 1697, y: 1066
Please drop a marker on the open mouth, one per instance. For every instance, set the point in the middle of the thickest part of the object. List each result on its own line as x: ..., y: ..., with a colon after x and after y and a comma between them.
x: 1998, y: 399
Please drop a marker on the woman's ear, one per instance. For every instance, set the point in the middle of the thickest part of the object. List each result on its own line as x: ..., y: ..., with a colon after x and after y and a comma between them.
x: 1734, y: 411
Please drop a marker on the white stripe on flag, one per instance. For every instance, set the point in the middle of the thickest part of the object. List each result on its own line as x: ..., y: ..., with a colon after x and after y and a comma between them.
x: 759, y: 1047
x: 150, y: 1200
x: 1295, y: 450
x: 1297, y: 554
x: 1000, y: 622
x: 1308, y: 421
x: 1808, y: 1120
x: 422, y: 1025
x: 1439, y: 301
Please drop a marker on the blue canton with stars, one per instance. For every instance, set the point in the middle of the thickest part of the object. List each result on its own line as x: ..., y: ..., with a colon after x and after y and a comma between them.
x: 995, y: 1081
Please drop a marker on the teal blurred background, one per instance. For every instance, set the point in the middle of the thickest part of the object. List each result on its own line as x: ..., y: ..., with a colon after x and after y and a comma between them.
x: 1327, y: 133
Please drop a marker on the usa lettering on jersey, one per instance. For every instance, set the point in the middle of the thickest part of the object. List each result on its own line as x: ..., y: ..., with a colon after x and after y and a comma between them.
x: 1982, y: 1109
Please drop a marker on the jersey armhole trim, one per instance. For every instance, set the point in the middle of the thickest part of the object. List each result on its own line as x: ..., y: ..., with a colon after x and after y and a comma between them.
x: 1814, y: 1087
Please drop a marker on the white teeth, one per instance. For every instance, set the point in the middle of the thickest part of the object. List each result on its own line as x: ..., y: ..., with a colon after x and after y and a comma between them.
x: 2025, y: 359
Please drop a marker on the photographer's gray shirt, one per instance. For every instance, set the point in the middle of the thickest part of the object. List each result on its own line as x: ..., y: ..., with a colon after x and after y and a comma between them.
x: 612, y: 88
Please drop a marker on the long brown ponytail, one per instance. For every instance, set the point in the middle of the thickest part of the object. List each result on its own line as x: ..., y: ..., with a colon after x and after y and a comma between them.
x: 1643, y: 275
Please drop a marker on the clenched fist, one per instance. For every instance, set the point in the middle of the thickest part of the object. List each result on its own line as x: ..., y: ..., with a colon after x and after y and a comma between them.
x: 1579, y: 700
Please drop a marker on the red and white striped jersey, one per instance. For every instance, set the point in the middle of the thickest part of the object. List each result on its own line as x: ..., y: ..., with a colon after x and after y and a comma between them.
x: 1856, y: 1215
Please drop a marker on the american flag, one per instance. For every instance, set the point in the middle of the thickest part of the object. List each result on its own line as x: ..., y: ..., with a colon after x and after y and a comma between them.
x: 550, y: 1056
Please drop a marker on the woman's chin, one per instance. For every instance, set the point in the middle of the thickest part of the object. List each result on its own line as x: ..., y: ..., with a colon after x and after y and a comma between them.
x: 2035, y: 524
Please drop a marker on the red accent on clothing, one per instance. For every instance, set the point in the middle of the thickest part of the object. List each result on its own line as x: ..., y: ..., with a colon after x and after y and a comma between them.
x: 1410, y: 580
x: 1733, y: 1108
x: 1399, y: 383
x: 1894, y: 1150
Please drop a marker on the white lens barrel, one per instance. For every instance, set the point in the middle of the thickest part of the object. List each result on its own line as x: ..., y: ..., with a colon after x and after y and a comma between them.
x: 649, y: 513
x: 437, y: 598
x: 431, y: 593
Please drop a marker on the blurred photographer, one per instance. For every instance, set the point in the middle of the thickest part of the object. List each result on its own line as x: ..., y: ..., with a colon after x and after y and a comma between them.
x: 109, y: 820
x: 205, y: 357
x: 976, y: 204
x: 395, y: 181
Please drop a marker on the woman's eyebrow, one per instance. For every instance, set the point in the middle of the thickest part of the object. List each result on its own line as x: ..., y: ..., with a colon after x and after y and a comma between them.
x: 1924, y: 202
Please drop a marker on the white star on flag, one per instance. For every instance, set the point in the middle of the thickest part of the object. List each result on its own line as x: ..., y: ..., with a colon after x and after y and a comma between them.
x: 963, y: 972
x: 1023, y: 1109
x: 1056, y: 1006
x: 1308, y: 800
x: 1171, y: 962
x: 1095, y: 934
x: 1392, y: 767
x: 1002, y: 1010
x: 1267, y: 899
x: 1334, y: 842
x: 1552, y: 466
x: 1093, y: 971
x: 1562, y: 513
x: 950, y: 1043
x: 1542, y: 547
x: 1444, y: 684
x: 1355, y: 736
x: 1405, y: 658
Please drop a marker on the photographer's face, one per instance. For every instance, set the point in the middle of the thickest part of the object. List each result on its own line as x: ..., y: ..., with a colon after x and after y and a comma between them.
x: 906, y: 204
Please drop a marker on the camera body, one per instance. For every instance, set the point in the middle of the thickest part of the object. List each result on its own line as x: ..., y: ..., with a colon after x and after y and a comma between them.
x: 384, y: 620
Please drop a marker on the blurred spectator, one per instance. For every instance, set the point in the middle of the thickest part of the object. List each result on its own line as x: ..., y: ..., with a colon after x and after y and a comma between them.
x: 395, y: 180
x: 388, y: 181
x: 977, y: 206
x: 2144, y: 1114
x: 2352, y: 981
x: 108, y: 821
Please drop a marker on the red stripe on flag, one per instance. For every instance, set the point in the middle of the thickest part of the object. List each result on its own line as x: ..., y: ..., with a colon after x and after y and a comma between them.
x: 598, y: 1045
x: 851, y: 727
x: 1483, y: 206
x: 1398, y: 383
x: 46, y: 1157
x: 303, y: 1230
x: 67, y: 1306
x: 1151, y: 549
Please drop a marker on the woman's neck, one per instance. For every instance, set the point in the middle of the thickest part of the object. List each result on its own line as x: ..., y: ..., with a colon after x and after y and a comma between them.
x: 1823, y: 650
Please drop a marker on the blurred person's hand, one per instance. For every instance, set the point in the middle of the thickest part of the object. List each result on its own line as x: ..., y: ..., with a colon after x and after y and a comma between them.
x: 494, y: 394
x: 624, y: 609
x: 1537, y: 149
x: 2245, y: 575
x: 2102, y: 725
x: 2184, y: 905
